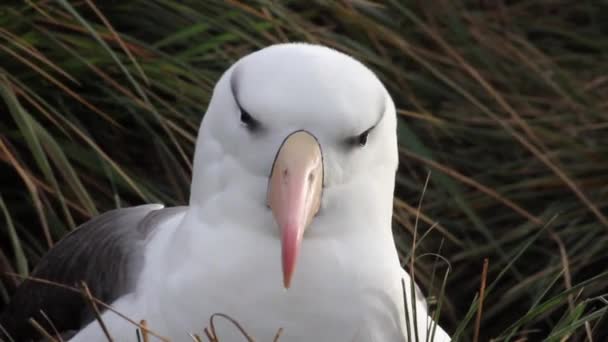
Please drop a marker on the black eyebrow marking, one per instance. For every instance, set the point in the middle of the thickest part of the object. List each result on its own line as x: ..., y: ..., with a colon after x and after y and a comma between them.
x: 246, y: 118
x: 355, y: 139
x: 378, y: 120
x: 233, y: 77
x: 381, y: 116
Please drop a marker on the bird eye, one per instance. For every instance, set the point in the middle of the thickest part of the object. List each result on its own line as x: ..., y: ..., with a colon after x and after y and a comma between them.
x: 362, y: 138
x: 248, y: 120
x: 359, y: 140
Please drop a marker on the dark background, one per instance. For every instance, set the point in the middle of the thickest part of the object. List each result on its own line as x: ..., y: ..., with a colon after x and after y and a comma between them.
x: 502, y: 104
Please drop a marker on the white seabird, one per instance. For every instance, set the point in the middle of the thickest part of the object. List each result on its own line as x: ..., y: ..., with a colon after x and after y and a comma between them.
x: 288, y: 224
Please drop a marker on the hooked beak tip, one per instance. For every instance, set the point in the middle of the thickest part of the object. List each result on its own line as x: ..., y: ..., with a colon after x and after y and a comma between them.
x: 286, y: 282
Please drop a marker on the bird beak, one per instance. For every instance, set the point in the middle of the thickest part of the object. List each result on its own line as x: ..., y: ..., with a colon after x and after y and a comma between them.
x: 294, y: 193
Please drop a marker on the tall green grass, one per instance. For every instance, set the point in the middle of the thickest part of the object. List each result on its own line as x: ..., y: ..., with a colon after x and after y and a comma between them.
x: 504, y: 103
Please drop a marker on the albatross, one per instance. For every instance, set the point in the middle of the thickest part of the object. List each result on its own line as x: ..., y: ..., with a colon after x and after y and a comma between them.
x: 288, y: 224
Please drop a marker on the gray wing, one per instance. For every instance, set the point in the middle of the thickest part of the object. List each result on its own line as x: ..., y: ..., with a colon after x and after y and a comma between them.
x: 106, y: 252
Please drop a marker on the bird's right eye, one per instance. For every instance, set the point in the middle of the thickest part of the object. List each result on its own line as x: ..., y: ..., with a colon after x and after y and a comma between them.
x: 248, y: 120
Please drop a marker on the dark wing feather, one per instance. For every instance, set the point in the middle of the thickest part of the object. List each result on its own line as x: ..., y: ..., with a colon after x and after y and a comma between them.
x: 106, y: 252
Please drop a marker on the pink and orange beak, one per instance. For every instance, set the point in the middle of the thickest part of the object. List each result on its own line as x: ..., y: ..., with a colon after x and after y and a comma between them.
x: 294, y: 193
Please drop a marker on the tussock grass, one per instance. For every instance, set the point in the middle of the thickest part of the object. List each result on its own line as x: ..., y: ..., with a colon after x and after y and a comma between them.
x: 504, y: 103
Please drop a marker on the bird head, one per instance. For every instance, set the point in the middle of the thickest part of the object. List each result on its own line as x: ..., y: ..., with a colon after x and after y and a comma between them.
x: 304, y: 122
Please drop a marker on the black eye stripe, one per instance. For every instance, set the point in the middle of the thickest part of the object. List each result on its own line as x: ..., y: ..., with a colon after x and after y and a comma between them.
x: 359, y: 140
x: 248, y: 120
x: 363, y: 138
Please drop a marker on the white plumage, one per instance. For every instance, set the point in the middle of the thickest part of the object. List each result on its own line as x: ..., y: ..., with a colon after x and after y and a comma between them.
x: 223, y: 253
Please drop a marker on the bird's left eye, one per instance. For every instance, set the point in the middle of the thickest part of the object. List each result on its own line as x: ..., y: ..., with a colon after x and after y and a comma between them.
x: 359, y: 140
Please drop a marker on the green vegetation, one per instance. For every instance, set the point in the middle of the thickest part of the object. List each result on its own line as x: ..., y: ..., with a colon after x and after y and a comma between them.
x: 503, y: 102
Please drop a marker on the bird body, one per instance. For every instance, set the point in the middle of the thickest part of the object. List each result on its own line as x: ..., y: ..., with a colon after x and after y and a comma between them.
x: 293, y: 180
